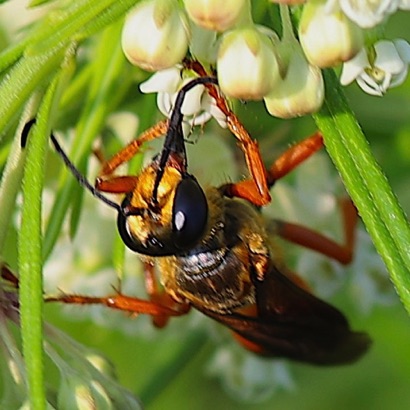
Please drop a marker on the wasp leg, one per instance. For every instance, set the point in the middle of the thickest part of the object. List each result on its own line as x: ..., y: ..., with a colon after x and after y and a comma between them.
x: 158, y: 296
x: 106, y: 181
x: 119, y: 301
x: 311, y: 239
x: 294, y: 156
x: 160, y: 306
x: 248, y: 146
x: 289, y: 160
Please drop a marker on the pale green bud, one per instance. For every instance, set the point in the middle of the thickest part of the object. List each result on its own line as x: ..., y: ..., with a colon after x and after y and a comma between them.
x: 299, y: 92
x: 218, y: 15
x: 155, y: 35
x: 247, y: 65
x: 328, y: 37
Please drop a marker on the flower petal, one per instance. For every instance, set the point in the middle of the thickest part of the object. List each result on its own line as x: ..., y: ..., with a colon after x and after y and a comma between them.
x: 353, y: 68
x: 192, y: 101
x: 368, y: 85
x: 164, y: 80
x: 399, y: 79
x: 403, y: 48
x: 367, y: 13
x: 387, y: 57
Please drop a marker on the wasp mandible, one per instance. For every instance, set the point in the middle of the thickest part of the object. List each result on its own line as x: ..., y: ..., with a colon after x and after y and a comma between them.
x: 214, y: 250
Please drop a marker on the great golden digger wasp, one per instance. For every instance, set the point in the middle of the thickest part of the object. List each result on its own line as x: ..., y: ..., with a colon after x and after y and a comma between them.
x: 214, y: 250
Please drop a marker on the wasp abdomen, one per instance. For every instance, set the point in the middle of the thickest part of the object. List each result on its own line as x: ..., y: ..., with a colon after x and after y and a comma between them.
x: 212, y: 279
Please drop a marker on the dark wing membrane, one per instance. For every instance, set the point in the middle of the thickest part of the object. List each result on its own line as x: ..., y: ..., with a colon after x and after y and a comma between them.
x: 293, y: 323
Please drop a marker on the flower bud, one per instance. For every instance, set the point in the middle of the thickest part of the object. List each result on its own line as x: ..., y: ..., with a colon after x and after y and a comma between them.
x: 247, y: 65
x: 328, y: 37
x: 155, y: 35
x: 218, y: 15
x: 299, y: 92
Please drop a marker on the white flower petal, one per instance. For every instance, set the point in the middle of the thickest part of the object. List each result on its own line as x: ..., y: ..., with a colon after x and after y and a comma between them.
x: 368, y: 85
x: 214, y: 110
x: 353, y: 68
x: 399, y: 78
x: 367, y: 13
x: 164, y: 80
x: 192, y: 101
x: 388, y: 59
x: 386, y: 82
x: 201, y: 118
x: 403, y: 48
x: 165, y: 103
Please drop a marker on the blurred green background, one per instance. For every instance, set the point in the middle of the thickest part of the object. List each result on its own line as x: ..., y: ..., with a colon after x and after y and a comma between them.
x: 167, y: 369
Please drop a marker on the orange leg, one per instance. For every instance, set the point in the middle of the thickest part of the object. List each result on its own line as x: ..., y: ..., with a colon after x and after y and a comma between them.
x: 249, y: 147
x: 160, y: 308
x: 119, y: 301
x: 310, y: 239
x: 281, y: 167
x: 106, y: 182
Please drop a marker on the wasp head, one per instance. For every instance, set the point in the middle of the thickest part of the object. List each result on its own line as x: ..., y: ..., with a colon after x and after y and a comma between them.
x: 164, y: 217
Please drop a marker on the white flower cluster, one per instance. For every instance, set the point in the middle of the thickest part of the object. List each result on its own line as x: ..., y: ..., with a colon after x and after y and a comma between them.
x: 252, y: 62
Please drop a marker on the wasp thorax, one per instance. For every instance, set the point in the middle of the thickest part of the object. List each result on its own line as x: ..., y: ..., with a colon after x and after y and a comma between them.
x: 167, y: 220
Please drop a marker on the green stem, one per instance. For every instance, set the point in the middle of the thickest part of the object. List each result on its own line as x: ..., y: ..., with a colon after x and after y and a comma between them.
x: 367, y: 185
x: 287, y: 27
x: 30, y: 244
x: 31, y: 287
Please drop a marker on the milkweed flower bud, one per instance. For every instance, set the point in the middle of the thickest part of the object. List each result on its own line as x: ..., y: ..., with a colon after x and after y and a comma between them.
x: 155, y: 35
x: 328, y: 37
x: 246, y: 64
x: 300, y: 89
x: 218, y: 15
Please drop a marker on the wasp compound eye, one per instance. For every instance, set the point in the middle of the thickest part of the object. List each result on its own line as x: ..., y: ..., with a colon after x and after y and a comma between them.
x: 189, y: 214
x: 122, y: 226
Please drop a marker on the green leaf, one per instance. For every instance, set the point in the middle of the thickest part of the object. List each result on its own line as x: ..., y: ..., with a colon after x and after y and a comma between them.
x: 22, y: 79
x: 30, y: 241
x: 107, y: 72
x: 30, y: 257
x: 367, y: 185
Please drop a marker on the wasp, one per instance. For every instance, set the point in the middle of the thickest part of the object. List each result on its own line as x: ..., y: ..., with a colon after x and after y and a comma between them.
x: 214, y: 251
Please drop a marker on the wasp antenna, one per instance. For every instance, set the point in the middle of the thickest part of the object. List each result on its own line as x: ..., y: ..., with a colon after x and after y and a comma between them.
x: 82, y: 180
x: 25, y: 132
x: 174, y: 140
x: 177, y: 116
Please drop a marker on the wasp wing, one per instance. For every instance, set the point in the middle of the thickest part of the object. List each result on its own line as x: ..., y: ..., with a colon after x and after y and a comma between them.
x: 293, y: 323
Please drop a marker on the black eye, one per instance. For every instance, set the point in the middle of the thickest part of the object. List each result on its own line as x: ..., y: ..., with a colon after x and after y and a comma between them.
x: 190, y: 213
x: 122, y: 226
